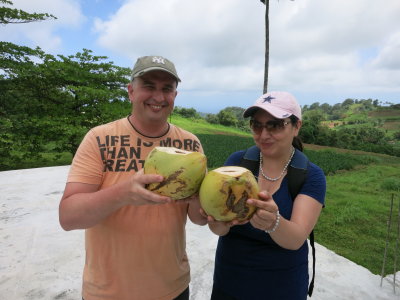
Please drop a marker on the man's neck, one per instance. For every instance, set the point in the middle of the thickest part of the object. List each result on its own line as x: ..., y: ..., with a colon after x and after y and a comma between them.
x: 149, y: 128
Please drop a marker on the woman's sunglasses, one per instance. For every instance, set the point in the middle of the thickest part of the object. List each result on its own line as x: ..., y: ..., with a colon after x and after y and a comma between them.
x: 273, y: 126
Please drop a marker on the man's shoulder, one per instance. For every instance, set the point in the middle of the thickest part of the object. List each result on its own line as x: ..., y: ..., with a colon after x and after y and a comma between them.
x: 113, y: 125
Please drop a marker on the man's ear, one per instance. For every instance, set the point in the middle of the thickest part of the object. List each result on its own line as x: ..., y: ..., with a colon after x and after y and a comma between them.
x: 131, y: 91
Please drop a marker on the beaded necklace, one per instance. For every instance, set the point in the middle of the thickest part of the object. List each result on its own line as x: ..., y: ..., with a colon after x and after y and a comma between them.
x: 283, y: 171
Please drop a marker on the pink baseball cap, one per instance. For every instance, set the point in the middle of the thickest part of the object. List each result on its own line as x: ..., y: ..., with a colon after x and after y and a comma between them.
x: 281, y: 105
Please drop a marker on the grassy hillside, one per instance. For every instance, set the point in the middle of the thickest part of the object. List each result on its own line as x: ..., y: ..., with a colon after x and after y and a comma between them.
x: 200, y: 126
x: 388, y: 119
x: 355, y: 115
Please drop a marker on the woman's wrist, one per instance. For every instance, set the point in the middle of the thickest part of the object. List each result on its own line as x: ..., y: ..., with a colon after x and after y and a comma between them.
x: 275, y: 227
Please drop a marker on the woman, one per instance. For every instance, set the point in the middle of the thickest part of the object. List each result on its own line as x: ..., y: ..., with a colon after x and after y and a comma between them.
x: 267, y: 257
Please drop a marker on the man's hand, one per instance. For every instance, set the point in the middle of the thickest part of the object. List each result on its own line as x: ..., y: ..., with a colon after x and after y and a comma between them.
x: 84, y: 205
x: 139, y: 195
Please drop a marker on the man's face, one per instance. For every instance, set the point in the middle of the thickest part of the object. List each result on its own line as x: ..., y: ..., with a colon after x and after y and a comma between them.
x: 152, y: 96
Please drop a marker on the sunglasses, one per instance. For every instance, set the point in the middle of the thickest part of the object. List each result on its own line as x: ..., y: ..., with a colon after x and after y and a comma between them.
x: 274, y: 126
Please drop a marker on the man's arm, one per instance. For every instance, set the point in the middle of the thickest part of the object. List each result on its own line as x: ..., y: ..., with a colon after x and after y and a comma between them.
x: 84, y: 205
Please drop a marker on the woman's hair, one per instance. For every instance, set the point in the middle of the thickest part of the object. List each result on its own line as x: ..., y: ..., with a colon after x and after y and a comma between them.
x: 297, y: 143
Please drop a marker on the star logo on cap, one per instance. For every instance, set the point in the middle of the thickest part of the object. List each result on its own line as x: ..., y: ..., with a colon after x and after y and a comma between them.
x: 268, y: 99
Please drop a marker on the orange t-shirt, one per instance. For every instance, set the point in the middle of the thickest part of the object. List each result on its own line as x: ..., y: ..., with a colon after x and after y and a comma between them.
x: 138, y: 252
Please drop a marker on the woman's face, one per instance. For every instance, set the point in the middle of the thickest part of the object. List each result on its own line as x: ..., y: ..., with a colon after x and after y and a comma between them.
x: 273, y: 136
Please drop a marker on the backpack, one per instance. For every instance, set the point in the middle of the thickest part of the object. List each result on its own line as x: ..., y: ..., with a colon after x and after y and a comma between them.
x: 296, y: 173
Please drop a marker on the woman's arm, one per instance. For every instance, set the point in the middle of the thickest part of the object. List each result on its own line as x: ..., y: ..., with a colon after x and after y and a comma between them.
x: 289, y: 234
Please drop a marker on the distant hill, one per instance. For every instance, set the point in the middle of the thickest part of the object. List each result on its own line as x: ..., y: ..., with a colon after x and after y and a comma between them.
x: 353, y: 113
x: 354, y: 124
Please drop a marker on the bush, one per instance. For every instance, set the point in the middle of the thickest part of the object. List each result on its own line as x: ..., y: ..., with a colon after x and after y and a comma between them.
x: 391, y: 184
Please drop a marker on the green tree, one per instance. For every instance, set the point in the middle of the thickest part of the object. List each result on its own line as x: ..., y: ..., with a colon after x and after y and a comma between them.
x: 346, y: 138
x: 47, y: 103
x: 396, y: 135
x: 311, y: 127
x: 212, y: 119
x: 348, y: 102
x: 370, y: 135
x: 187, y: 112
x: 10, y: 15
x: 314, y: 106
x: 227, y: 118
x: 326, y: 108
x: 238, y: 113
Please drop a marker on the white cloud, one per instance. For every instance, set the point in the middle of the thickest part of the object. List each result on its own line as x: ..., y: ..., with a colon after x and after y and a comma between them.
x: 321, y: 45
x: 389, y: 57
x: 220, y: 44
x: 206, y: 39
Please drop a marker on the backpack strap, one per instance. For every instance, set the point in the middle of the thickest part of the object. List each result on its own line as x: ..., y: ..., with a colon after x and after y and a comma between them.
x: 251, y: 160
x: 311, y: 287
x: 297, y: 174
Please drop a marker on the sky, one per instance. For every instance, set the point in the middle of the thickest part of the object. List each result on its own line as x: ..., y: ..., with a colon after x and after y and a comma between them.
x: 320, y: 50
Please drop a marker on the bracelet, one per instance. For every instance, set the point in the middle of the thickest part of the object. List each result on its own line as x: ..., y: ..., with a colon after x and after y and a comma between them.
x: 278, y: 217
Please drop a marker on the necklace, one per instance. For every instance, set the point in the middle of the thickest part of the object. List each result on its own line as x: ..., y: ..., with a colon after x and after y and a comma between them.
x: 152, y: 137
x: 283, y: 171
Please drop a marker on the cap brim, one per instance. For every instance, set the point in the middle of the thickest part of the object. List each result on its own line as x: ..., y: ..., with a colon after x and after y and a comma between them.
x: 142, y: 72
x: 274, y: 111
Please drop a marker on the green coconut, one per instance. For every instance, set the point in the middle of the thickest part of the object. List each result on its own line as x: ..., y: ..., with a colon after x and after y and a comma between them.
x: 224, y: 191
x: 183, y: 171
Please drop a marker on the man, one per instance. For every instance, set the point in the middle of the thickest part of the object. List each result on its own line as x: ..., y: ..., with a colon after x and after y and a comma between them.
x: 135, y: 239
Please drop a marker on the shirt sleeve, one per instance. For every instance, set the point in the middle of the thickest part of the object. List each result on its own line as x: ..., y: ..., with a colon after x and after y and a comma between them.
x: 234, y: 159
x: 315, y: 184
x: 87, y: 165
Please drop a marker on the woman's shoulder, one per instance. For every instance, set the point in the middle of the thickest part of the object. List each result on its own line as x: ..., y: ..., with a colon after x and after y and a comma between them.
x: 235, y: 158
x: 315, y: 169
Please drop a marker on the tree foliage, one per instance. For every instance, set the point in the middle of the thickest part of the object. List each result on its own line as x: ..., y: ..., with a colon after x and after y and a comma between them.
x: 227, y: 118
x: 351, y: 126
x: 10, y: 15
x: 186, y: 112
x: 55, y: 99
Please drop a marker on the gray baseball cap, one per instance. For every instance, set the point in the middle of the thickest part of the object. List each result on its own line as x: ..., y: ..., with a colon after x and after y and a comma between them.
x: 151, y: 63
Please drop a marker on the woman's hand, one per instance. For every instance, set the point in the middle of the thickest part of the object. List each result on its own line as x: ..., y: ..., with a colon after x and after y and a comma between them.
x: 265, y: 216
x: 220, y: 227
